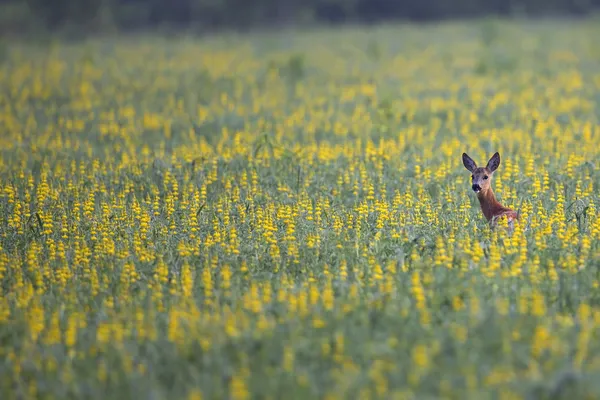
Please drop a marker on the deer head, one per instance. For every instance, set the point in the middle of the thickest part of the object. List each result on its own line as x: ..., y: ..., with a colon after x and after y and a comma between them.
x: 481, y: 177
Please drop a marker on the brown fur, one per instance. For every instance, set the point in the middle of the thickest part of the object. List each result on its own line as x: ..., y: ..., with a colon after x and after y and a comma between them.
x: 482, y: 184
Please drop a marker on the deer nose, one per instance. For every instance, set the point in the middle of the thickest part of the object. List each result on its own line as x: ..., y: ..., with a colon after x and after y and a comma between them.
x: 476, y: 187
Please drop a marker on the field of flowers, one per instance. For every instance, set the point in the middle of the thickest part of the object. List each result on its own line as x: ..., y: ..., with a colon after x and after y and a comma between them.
x: 285, y: 215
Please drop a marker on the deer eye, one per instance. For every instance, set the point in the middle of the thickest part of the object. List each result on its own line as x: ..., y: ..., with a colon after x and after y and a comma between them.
x: 485, y: 177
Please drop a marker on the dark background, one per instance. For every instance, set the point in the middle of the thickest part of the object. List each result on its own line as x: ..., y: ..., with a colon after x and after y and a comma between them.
x: 208, y: 15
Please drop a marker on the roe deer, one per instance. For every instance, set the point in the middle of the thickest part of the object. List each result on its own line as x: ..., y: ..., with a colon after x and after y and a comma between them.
x: 482, y: 185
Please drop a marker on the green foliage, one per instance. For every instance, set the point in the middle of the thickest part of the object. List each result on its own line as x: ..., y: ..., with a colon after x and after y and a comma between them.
x: 202, y: 15
x: 489, y: 31
x: 3, y: 51
x: 294, y: 68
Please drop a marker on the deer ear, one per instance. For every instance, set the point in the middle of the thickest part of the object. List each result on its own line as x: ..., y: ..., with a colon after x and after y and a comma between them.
x: 468, y: 162
x: 494, y: 162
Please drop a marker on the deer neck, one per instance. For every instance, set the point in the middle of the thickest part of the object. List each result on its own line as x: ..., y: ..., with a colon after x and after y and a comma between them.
x: 490, y: 206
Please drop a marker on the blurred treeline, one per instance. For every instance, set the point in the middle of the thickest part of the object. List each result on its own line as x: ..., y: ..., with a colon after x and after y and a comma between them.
x: 241, y: 14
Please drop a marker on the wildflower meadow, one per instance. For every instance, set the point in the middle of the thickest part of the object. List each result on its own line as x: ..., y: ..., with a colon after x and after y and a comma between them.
x: 285, y: 215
